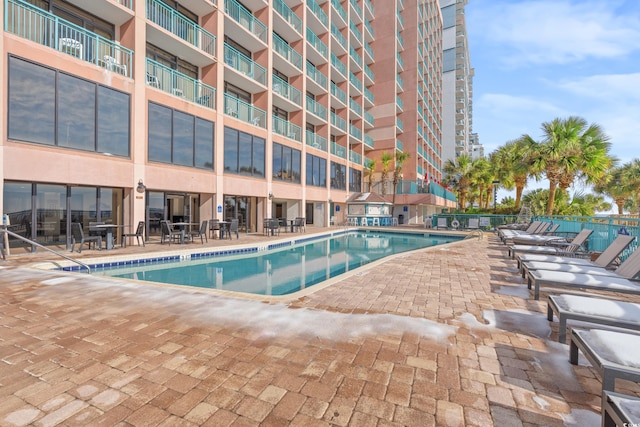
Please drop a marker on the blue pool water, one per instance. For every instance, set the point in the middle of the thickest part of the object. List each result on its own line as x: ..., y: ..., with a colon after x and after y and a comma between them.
x: 281, y: 271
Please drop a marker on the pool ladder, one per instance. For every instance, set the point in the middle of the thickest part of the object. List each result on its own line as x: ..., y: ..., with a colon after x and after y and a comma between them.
x: 475, y: 233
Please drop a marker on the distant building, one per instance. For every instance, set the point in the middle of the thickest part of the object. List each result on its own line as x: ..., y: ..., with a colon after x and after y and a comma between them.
x: 476, y: 150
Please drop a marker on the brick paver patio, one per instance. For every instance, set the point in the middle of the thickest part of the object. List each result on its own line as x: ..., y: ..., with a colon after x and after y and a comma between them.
x: 446, y: 336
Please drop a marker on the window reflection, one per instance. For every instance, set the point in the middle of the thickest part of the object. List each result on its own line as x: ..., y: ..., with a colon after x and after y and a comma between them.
x: 76, y: 113
x: 113, y: 122
x: 243, y: 153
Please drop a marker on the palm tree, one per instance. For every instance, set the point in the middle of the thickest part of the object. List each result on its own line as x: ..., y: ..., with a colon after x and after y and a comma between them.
x: 385, y: 161
x: 370, y: 169
x: 614, y: 185
x: 513, y: 165
x: 631, y: 176
x: 480, y: 178
x: 458, y: 172
x: 569, y: 150
x: 401, y: 158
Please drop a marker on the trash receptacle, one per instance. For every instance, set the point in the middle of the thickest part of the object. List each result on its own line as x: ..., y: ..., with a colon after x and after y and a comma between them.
x: 400, y: 219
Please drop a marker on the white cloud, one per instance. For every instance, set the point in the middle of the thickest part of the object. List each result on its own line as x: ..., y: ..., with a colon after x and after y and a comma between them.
x: 552, y: 31
x: 610, y: 88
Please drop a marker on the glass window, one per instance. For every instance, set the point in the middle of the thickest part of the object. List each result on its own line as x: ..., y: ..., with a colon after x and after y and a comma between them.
x: 17, y: 204
x: 244, y: 151
x: 449, y: 16
x: 338, y: 173
x: 277, y: 161
x: 204, y: 144
x: 355, y: 180
x: 32, y: 102
x: 113, y: 122
x: 76, y: 113
x: 316, y: 171
x: 51, y: 213
x: 259, y: 157
x: 159, y: 133
x: 322, y: 167
x: 84, y: 206
x: 448, y: 59
x: 286, y: 163
x: 183, y: 138
x: 230, y: 150
x: 296, y: 166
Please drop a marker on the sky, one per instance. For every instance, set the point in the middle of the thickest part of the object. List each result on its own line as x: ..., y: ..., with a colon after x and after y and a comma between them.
x: 538, y: 60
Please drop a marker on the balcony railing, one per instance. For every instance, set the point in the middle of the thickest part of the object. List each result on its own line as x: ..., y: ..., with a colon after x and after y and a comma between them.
x: 357, y: 83
x: 39, y: 26
x: 245, y: 19
x: 355, y: 157
x: 286, y: 128
x: 369, y: 27
x: 369, y: 50
x: 288, y: 15
x: 242, y: 63
x: 368, y: 117
x: 338, y: 65
x: 400, y: 82
x: 338, y: 93
x: 178, y: 24
x: 369, y: 95
x: 370, y: 6
x: 174, y: 82
x: 316, y: 108
x: 244, y: 111
x: 316, y: 75
x: 399, y: 102
x: 338, y: 150
x: 338, y: 122
x: 285, y: 90
x: 318, y: 12
x: 317, y: 43
x: 355, y: 107
x: 316, y: 141
x: 369, y: 73
x: 338, y: 7
x: 355, y: 55
x: 335, y: 31
x: 283, y: 48
x: 400, y: 61
x: 368, y: 141
x: 356, y: 32
x: 399, y: 144
x: 399, y: 124
x: 355, y: 131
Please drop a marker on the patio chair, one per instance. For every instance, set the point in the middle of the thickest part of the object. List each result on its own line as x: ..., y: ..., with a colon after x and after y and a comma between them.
x: 602, y: 279
x: 300, y: 224
x: 542, y: 228
x: 233, y: 228
x: 508, y: 232
x: 167, y: 234
x: 631, y: 264
x: 139, y: 234
x: 77, y: 236
x: 605, y: 259
x: 598, y: 311
x: 442, y: 223
x: 538, y: 239
x: 274, y: 226
x: 614, y: 355
x: 620, y: 409
x: 201, y: 232
x: 553, y: 247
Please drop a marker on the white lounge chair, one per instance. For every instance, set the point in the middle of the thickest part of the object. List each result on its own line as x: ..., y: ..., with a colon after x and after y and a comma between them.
x: 553, y: 247
x: 605, y: 259
x: 604, y: 280
x: 628, y: 269
x: 503, y: 232
x: 620, y: 410
x: 540, y: 227
x: 538, y: 239
x: 612, y: 354
x: 599, y: 311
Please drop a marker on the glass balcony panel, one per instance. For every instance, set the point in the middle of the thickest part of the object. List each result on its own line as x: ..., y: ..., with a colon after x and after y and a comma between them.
x: 338, y: 122
x: 356, y: 57
x: 317, y: 10
x: 338, y: 150
x: 370, y: 28
x: 178, y: 24
x: 42, y: 27
x: 338, y: 65
x: 316, y: 141
x: 400, y: 61
x: 286, y: 128
x: 316, y: 108
x: 317, y: 43
x: 399, y: 102
x: 283, y: 48
x: 356, y: 32
x: 242, y: 63
x: 370, y: 6
x: 355, y: 157
x: 338, y: 93
x: 316, y: 75
x: 338, y: 7
x: 357, y: 8
x: 368, y: 141
x: 335, y: 31
x: 355, y: 131
x: 369, y: 95
x: 399, y: 145
x: 369, y: 73
x: 355, y: 107
x: 244, y: 111
x: 369, y: 118
x: 399, y: 123
x: 284, y: 11
x: 285, y: 90
x: 369, y: 50
x: 355, y: 81
x: 174, y: 82
x: 400, y: 82
x: 239, y: 14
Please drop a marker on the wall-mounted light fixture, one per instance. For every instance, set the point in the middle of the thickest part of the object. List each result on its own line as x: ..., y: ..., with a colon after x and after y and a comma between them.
x: 270, y: 196
x: 141, y: 187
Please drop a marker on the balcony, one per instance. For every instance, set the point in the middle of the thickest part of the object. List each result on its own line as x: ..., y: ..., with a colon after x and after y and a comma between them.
x: 400, y: 20
x: 400, y: 62
x: 368, y: 118
x: 288, y: 92
x: 369, y: 74
x: 356, y: 35
x: 399, y: 103
x: 339, y: 70
x: 369, y: 50
x: 340, y: 44
x: 316, y: 108
x: 368, y: 141
x: 246, y: 20
x: 338, y: 13
x: 399, y: 83
x: 355, y: 157
x: 339, y: 93
x: 245, y: 66
x: 317, y: 11
x: 398, y: 145
x: 287, y: 129
x: 316, y: 141
x: 399, y: 124
x: 319, y: 46
x: 355, y: 107
x: 339, y: 122
x: 338, y: 150
x: 44, y: 28
x: 320, y: 79
x: 238, y: 109
x: 288, y: 53
x: 175, y: 83
x: 356, y: 82
x: 292, y: 20
x: 355, y: 132
x: 356, y: 59
x: 400, y: 42
x: 116, y: 12
x: 368, y: 95
x: 369, y: 31
x: 369, y: 7
x: 179, y: 35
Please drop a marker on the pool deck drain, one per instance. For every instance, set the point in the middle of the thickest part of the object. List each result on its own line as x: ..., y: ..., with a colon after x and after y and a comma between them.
x: 439, y: 337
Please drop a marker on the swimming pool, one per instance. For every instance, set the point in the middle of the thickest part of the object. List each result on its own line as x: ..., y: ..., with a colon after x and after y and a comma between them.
x: 283, y: 270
